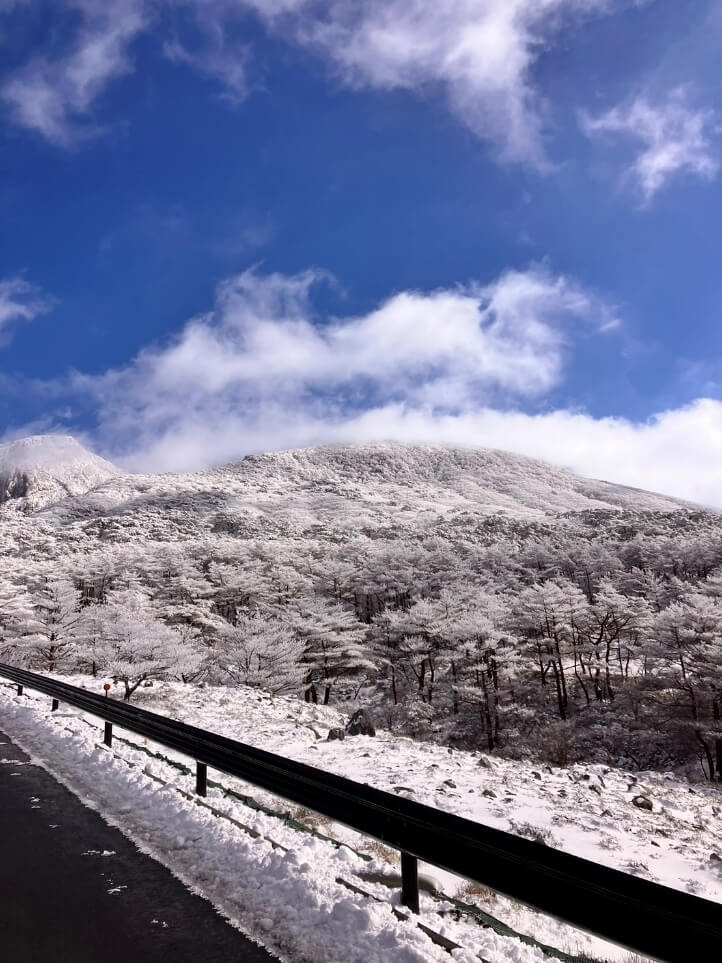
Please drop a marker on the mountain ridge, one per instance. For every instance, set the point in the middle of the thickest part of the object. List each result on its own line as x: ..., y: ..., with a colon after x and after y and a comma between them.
x: 56, y: 472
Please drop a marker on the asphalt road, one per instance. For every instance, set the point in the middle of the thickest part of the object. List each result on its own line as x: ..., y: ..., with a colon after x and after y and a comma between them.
x: 75, y: 890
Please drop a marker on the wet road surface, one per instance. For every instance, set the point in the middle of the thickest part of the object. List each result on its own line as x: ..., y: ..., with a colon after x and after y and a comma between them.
x: 75, y: 890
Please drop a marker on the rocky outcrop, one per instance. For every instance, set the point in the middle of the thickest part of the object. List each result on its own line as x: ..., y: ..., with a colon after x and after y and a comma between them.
x: 360, y: 724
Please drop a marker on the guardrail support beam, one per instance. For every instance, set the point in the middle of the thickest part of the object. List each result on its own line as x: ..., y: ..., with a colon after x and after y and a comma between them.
x: 201, y: 778
x: 54, y: 705
x: 410, y: 882
x: 108, y: 735
x: 20, y: 690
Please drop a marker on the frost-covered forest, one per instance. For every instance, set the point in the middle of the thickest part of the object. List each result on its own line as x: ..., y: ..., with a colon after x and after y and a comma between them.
x: 472, y: 598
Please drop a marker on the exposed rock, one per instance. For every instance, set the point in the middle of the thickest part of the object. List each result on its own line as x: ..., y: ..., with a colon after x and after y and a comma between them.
x: 489, y: 793
x: 335, y: 734
x: 360, y: 724
x: 641, y: 802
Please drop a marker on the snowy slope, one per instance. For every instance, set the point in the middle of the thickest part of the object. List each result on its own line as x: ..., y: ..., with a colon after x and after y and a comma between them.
x: 292, y: 503
x: 350, y: 488
x: 42, y: 469
x: 310, y: 899
x: 587, y: 810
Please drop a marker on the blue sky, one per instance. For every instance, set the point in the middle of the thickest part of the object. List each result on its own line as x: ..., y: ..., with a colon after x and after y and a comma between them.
x: 235, y: 225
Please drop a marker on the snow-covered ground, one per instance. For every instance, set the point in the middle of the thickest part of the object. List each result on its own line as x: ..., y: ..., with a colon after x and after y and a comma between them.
x: 311, y: 899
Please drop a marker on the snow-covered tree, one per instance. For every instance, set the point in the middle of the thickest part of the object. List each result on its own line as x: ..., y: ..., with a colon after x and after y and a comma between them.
x: 262, y: 652
x: 16, y: 615
x: 484, y: 661
x: 50, y: 632
x: 688, y: 646
x: 135, y: 647
x: 334, y: 645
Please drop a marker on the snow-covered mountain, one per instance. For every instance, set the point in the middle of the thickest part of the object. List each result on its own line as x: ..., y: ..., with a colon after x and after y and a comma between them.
x: 374, y: 497
x: 382, y: 493
x: 337, y: 536
x: 372, y: 487
x: 41, y: 469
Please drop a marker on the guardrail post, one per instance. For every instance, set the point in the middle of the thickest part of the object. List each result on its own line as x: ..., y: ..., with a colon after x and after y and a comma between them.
x: 410, y: 882
x: 201, y: 778
x: 20, y: 690
x: 54, y: 705
x: 108, y: 735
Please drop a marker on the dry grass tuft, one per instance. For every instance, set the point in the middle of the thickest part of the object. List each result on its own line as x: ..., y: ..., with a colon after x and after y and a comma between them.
x: 377, y: 850
x: 475, y: 892
x: 309, y: 818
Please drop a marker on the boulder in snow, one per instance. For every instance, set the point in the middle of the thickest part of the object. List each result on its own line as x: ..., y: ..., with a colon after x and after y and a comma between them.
x: 360, y: 724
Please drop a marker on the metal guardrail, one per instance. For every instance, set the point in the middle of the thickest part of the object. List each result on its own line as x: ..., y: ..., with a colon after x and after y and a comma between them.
x: 645, y: 917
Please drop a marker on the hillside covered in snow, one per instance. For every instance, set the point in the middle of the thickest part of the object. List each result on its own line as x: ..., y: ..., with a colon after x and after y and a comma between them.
x: 467, y: 596
x: 382, y: 492
x: 380, y: 484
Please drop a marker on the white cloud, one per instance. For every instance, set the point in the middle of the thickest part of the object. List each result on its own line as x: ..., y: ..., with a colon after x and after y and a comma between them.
x: 478, y: 54
x: 213, y: 53
x: 263, y: 371
x: 21, y: 301
x: 675, y: 138
x: 262, y: 352
x: 676, y: 452
x: 54, y: 97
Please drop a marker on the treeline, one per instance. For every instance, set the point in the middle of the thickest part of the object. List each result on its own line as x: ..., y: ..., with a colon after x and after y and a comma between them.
x: 560, y: 644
